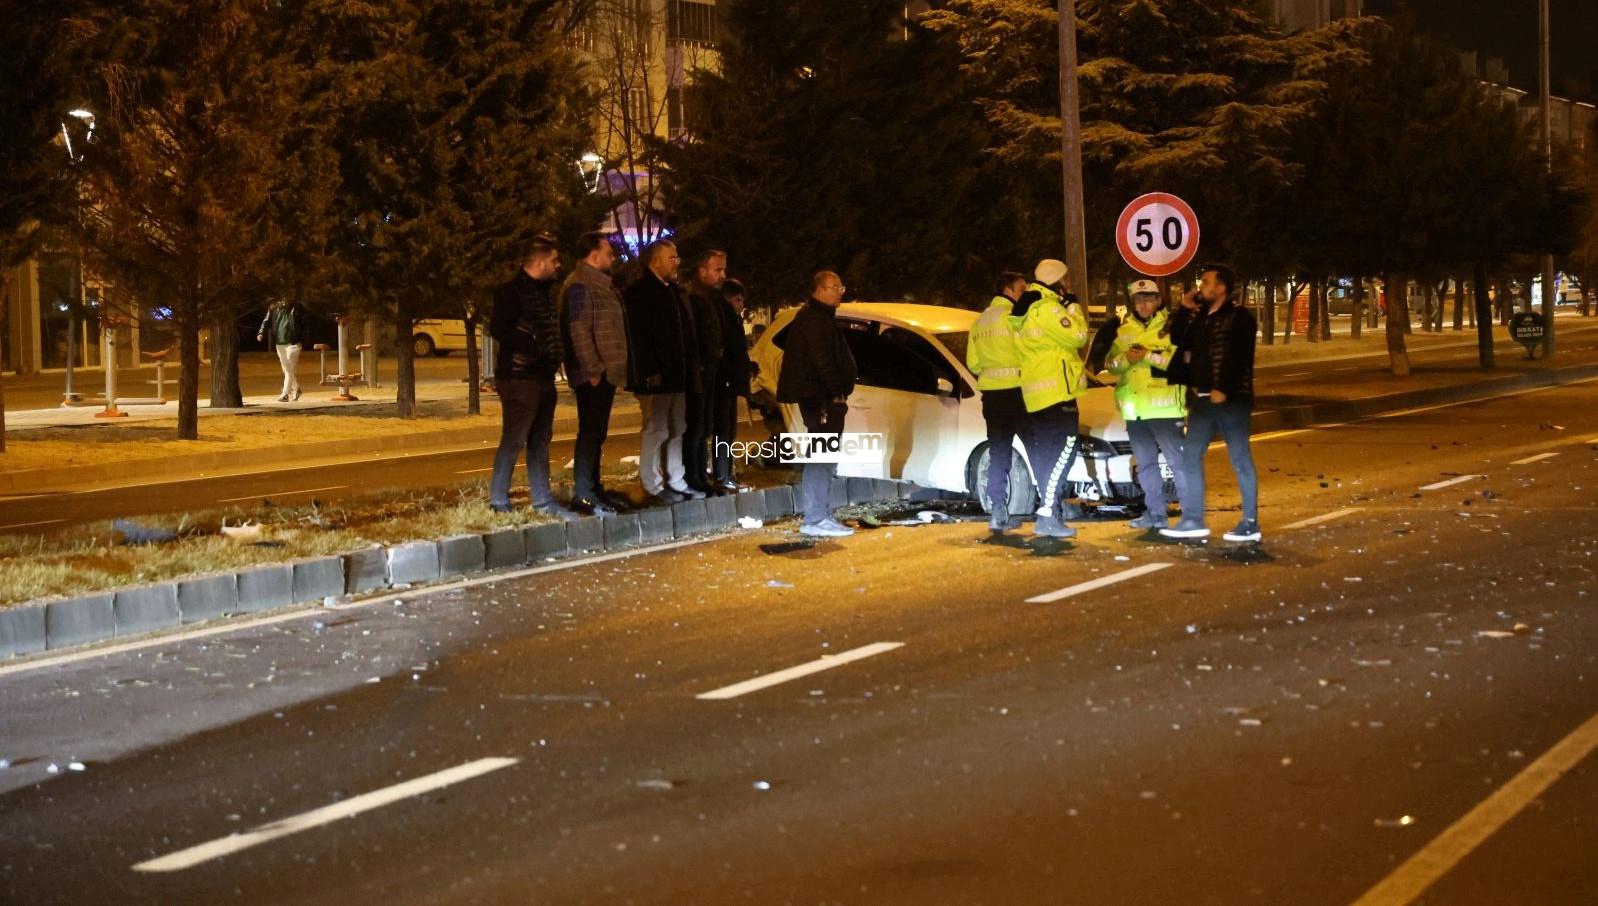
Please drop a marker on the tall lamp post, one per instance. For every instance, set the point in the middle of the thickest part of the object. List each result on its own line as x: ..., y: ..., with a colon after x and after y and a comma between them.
x: 85, y: 121
x: 1076, y: 247
x: 1549, y: 293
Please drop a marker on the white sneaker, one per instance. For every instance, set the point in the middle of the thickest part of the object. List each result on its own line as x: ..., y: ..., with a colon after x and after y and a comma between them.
x: 826, y: 528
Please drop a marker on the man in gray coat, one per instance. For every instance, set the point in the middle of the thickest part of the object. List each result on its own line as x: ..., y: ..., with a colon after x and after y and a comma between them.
x: 594, y: 326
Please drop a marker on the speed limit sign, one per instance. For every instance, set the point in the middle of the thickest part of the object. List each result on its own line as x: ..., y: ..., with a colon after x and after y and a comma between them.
x: 1158, y: 234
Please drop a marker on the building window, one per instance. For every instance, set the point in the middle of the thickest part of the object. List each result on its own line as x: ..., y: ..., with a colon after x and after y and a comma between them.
x: 690, y: 22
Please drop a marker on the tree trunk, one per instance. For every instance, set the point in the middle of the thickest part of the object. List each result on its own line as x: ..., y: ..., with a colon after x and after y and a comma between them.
x: 188, y: 318
x: 1317, y: 298
x: 5, y: 312
x: 1586, y: 311
x: 1268, y: 312
x: 1292, y: 309
x: 1356, y: 318
x: 1459, y: 304
x: 225, y: 391
x: 474, y: 370
x: 405, y: 380
x: 1484, y: 320
x: 1397, y: 321
x: 1506, y: 302
x: 1326, y: 312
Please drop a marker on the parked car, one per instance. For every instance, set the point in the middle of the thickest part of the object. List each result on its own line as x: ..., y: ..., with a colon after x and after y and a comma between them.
x: 439, y: 337
x: 914, y: 388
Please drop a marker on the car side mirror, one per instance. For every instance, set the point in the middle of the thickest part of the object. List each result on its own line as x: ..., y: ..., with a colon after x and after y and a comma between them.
x: 945, y: 387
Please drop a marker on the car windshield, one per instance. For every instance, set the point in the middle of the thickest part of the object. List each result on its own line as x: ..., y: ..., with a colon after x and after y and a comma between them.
x: 954, y: 341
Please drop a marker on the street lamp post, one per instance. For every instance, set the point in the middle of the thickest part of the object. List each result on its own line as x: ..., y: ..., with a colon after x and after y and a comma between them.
x: 86, y: 120
x: 1550, y: 296
x: 1076, y: 248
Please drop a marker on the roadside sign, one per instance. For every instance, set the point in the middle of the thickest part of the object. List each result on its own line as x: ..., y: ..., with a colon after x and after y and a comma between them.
x: 1158, y: 234
x: 1526, y: 328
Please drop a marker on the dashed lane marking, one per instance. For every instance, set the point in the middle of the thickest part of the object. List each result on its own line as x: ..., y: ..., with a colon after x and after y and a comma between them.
x: 1324, y: 517
x: 336, y: 487
x: 826, y: 662
x: 1450, y: 482
x: 1531, y: 459
x: 1084, y: 587
x: 30, y: 524
x: 327, y: 814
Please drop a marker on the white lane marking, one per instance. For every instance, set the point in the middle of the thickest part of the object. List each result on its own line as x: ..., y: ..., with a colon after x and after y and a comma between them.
x: 349, y: 808
x: 1593, y: 440
x: 1296, y: 374
x: 1080, y: 588
x: 336, y: 487
x: 1324, y: 517
x: 825, y: 662
x: 1450, y: 482
x: 1450, y: 847
x: 476, y: 471
x: 31, y: 524
x: 311, y: 610
x: 1278, y: 435
x: 1531, y: 459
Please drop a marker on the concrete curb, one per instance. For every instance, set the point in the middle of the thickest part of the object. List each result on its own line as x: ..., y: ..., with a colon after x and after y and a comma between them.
x: 36, y: 480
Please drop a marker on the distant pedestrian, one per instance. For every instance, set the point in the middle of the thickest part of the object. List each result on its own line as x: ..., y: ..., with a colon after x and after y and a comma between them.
x: 731, y: 384
x: 525, y: 322
x: 661, y: 357
x: 703, y: 296
x: 284, y: 327
x: 993, y: 356
x: 818, y: 373
x: 1051, y: 331
x: 1215, y: 360
x: 1153, y: 408
x: 594, y: 326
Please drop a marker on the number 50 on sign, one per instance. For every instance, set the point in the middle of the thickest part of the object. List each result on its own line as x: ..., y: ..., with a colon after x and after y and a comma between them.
x: 1158, y: 234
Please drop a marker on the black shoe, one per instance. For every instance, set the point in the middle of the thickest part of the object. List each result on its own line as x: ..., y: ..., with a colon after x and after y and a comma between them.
x: 667, y: 497
x: 731, y: 486
x: 616, y: 501
x: 593, y: 506
x: 500, y: 507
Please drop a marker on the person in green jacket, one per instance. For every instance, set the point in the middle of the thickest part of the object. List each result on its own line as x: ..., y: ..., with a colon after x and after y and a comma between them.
x: 1052, y: 329
x: 1152, y: 408
x: 993, y: 357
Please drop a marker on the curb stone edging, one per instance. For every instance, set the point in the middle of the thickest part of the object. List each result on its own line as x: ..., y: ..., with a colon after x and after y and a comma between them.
x: 53, y: 624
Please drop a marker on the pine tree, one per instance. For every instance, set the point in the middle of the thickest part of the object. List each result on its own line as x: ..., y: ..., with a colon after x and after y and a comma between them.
x: 838, y: 136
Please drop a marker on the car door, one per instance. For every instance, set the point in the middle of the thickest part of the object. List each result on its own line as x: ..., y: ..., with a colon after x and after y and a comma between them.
x: 908, y: 393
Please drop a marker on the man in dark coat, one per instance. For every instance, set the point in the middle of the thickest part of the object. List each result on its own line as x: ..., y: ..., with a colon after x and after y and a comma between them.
x: 662, y: 368
x: 818, y: 373
x: 1215, y: 360
x: 525, y: 322
x: 704, y: 300
x: 284, y: 327
x: 732, y: 382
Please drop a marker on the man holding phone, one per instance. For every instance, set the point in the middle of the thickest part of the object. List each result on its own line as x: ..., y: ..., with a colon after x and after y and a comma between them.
x: 1152, y: 407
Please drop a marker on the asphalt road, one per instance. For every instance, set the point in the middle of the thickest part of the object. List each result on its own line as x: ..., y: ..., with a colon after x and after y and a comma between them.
x: 1282, y: 724
x: 334, y: 479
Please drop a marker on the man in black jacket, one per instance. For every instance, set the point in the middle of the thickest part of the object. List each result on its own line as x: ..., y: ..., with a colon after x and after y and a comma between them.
x: 1215, y: 359
x: 818, y: 373
x: 284, y: 327
x: 704, y: 300
x: 732, y: 382
x: 661, y: 370
x: 525, y: 322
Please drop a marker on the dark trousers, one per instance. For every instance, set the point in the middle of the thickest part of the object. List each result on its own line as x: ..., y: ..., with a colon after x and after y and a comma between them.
x: 1051, y: 445
x: 815, y: 485
x: 593, y: 425
x: 723, y: 430
x: 696, y: 441
x: 527, y: 420
x: 1005, y: 414
x: 1150, y: 437
x: 1231, y: 421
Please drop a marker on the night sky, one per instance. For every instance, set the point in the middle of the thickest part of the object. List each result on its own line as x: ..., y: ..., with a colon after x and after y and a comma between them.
x: 1508, y: 29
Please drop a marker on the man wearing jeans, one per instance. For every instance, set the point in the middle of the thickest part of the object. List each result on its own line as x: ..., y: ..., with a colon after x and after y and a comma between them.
x: 285, y: 324
x: 595, y: 330
x: 818, y: 373
x: 526, y: 325
x: 1215, y: 359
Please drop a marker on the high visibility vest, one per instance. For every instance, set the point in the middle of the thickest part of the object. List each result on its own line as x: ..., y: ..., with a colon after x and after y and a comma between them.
x: 991, y: 353
x: 1051, y: 337
x: 1140, y: 393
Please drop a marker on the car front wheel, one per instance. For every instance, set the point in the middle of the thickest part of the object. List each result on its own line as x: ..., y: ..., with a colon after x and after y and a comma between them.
x: 1023, y: 492
x: 422, y: 345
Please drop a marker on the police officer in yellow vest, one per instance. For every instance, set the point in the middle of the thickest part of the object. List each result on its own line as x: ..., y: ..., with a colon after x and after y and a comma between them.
x: 993, y: 357
x: 1152, y: 408
x: 1051, y: 329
